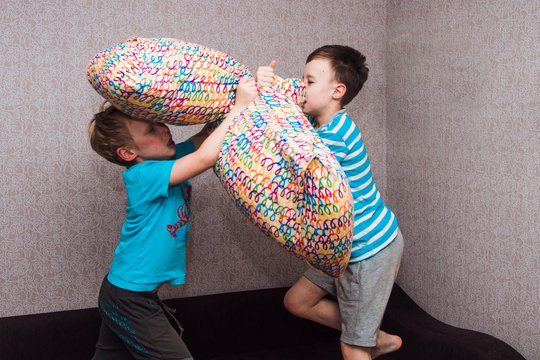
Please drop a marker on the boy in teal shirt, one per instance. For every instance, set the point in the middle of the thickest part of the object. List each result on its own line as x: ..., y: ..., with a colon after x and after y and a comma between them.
x: 151, y: 250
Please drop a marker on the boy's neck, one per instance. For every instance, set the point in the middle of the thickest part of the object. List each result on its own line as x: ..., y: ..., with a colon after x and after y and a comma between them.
x: 323, y: 118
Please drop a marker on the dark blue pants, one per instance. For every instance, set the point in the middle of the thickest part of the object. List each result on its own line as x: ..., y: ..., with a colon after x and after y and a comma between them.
x: 135, y: 325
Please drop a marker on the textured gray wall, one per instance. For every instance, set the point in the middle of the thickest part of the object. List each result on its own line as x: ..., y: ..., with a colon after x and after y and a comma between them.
x: 63, y: 205
x: 448, y: 116
x: 463, y: 161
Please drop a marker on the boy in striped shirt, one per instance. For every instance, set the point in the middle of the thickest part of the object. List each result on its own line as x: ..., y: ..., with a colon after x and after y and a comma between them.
x: 334, y: 75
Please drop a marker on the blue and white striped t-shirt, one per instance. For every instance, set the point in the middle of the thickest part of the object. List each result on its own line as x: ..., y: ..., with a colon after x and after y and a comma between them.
x: 375, y: 226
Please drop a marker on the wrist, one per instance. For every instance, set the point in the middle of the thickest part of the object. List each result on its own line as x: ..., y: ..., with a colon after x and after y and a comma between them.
x: 236, y: 108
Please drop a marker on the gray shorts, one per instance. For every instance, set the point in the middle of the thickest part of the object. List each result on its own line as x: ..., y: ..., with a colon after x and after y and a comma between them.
x: 362, y: 293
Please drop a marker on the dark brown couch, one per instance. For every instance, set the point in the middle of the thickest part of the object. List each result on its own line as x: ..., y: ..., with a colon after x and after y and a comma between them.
x: 250, y: 325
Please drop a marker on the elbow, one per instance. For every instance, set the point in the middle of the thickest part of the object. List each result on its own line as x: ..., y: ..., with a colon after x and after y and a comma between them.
x: 209, y: 160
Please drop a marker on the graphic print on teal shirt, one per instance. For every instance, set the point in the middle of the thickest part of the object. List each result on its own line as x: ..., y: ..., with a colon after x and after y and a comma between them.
x: 184, y: 212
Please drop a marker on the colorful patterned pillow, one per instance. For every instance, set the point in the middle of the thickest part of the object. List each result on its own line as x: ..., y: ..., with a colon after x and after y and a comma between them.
x: 285, y: 179
x: 273, y: 164
x: 166, y: 80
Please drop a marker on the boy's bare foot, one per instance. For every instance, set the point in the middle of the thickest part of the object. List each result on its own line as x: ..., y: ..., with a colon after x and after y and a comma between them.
x: 386, y: 343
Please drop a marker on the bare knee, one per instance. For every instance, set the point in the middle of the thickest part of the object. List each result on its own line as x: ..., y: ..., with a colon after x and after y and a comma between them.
x: 303, y: 297
x: 294, y: 303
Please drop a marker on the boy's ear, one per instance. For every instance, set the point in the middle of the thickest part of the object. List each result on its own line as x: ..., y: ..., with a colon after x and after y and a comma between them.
x: 339, y: 91
x: 126, y: 154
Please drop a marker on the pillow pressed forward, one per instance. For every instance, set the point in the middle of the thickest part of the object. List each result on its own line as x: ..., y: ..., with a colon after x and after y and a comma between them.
x: 285, y: 179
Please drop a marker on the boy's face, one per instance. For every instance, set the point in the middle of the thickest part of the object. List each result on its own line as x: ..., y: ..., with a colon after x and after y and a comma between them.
x: 320, y: 86
x: 153, y: 140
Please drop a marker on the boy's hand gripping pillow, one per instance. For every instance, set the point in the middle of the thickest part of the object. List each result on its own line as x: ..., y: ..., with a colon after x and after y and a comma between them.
x: 273, y: 164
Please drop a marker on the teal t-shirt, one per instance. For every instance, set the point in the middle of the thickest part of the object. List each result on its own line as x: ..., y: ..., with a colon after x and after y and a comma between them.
x: 152, y: 246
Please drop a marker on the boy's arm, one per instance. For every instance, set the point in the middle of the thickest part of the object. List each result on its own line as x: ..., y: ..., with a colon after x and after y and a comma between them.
x: 208, y: 152
x: 199, y: 137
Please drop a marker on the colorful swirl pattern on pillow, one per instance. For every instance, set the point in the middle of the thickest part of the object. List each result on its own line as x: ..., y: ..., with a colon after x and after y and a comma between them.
x: 166, y: 80
x: 285, y: 179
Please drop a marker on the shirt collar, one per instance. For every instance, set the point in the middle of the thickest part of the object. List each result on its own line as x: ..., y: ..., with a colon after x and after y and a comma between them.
x: 332, y: 118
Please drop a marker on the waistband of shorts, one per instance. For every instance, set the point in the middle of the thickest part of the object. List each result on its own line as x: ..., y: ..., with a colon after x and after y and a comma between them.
x: 152, y: 294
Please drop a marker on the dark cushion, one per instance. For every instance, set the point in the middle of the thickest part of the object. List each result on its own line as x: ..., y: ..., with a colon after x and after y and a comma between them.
x: 57, y: 335
x: 251, y: 325
x: 225, y: 326
x: 425, y: 337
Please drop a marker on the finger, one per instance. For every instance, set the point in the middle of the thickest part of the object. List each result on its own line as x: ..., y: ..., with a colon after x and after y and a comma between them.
x: 272, y: 64
x: 245, y: 79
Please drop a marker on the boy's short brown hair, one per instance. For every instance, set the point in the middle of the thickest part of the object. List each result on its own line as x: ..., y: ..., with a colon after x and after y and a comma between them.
x: 349, y: 67
x: 108, y: 131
